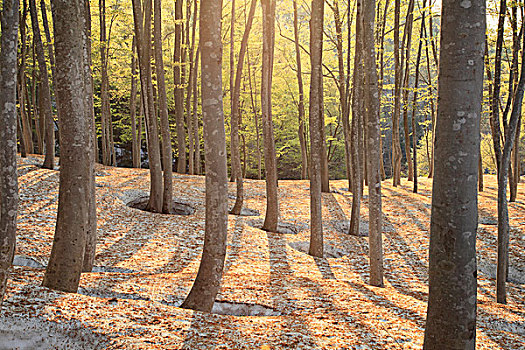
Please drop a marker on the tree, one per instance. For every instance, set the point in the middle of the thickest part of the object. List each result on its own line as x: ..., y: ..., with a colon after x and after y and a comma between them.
x: 135, y: 137
x: 179, y: 89
x: 142, y: 20
x: 316, y: 128
x: 163, y: 111
x: 270, y: 161
x: 302, y: 114
x: 373, y: 162
x: 396, y: 148
x: 8, y: 115
x: 44, y: 91
x: 76, y: 148
x: 236, y: 115
x: 207, y: 283
x: 451, y: 314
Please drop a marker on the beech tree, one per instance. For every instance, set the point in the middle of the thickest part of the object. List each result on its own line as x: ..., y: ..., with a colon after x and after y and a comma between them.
x: 451, y: 314
x: 373, y: 163
x: 142, y: 20
x: 76, y: 148
x: 236, y: 115
x: 271, y: 219
x: 207, y: 283
x: 8, y: 116
x: 44, y: 91
x: 316, y: 128
x: 167, y: 154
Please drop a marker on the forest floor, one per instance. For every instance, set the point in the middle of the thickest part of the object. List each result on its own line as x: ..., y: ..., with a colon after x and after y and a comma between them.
x: 146, y: 264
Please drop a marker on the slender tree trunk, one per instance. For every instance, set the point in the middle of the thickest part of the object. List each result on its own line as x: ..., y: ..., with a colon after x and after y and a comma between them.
x: 374, y: 154
x: 143, y: 35
x: 316, y: 128
x: 163, y: 109
x: 345, y: 113
x: 179, y: 89
x: 357, y: 100
x: 515, y: 164
x: 270, y: 161
x: 196, y: 137
x: 430, y: 93
x: 44, y: 92
x: 189, y: 93
x: 8, y: 176
x: 301, y: 110
x: 76, y: 148
x: 503, y: 211
x: 26, y: 127
x: 105, y: 115
x: 406, y: 83
x: 235, y: 115
x: 207, y: 283
x: 396, y: 147
x: 381, y: 80
x: 135, y: 148
x: 414, y: 97
x: 91, y: 231
x: 451, y: 314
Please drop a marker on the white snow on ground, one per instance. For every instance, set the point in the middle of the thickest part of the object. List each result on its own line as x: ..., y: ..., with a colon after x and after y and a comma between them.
x: 32, y: 333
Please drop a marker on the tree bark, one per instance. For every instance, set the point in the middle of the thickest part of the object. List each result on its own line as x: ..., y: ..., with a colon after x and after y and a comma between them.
x: 373, y: 152
x: 503, y: 172
x: 357, y: 100
x: 235, y: 115
x: 44, y: 92
x: 451, y: 314
x: 179, y: 89
x: 396, y: 147
x: 316, y: 128
x: 143, y: 35
x: 163, y: 109
x: 8, y: 175
x: 406, y: 83
x: 207, y: 284
x: 76, y: 148
x: 135, y: 146
x: 270, y: 161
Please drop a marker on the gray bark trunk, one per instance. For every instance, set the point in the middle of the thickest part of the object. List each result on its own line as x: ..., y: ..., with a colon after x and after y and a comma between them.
x: 272, y: 201
x: 163, y: 109
x: 451, y: 314
x: 44, y: 91
x: 8, y: 115
x: 76, y: 147
x: 316, y: 128
x: 207, y: 283
x: 179, y: 89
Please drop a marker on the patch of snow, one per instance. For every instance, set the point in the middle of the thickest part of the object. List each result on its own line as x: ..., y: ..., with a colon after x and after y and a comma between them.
x: 242, y: 309
x: 28, y: 333
x: 21, y: 260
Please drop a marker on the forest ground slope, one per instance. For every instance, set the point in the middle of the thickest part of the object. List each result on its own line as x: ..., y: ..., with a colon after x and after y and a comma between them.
x: 146, y: 264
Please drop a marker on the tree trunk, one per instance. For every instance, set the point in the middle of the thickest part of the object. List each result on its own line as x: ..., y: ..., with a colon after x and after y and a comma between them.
x: 301, y: 110
x: 381, y: 80
x: 135, y: 146
x: 76, y: 148
x: 406, y: 83
x: 91, y: 232
x: 207, y: 283
x: 26, y: 127
x: 357, y: 100
x: 8, y: 175
x: 163, y: 109
x: 396, y: 147
x: 143, y: 35
x: 316, y: 128
x: 503, y: 211
x: 515, y: 164
x: 414, y: 97
x: 270, y: 161
x: 374, y: 153
x: 196, y: 124
x: 235, y: 115
x: 44, y: 92
x: 105, y: 115
x: 179, y: 89
x: 451, y: 315
x: 189, y: 93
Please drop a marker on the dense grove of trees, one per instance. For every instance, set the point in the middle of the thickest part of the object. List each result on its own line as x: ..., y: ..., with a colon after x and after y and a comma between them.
x: 150, y: 87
